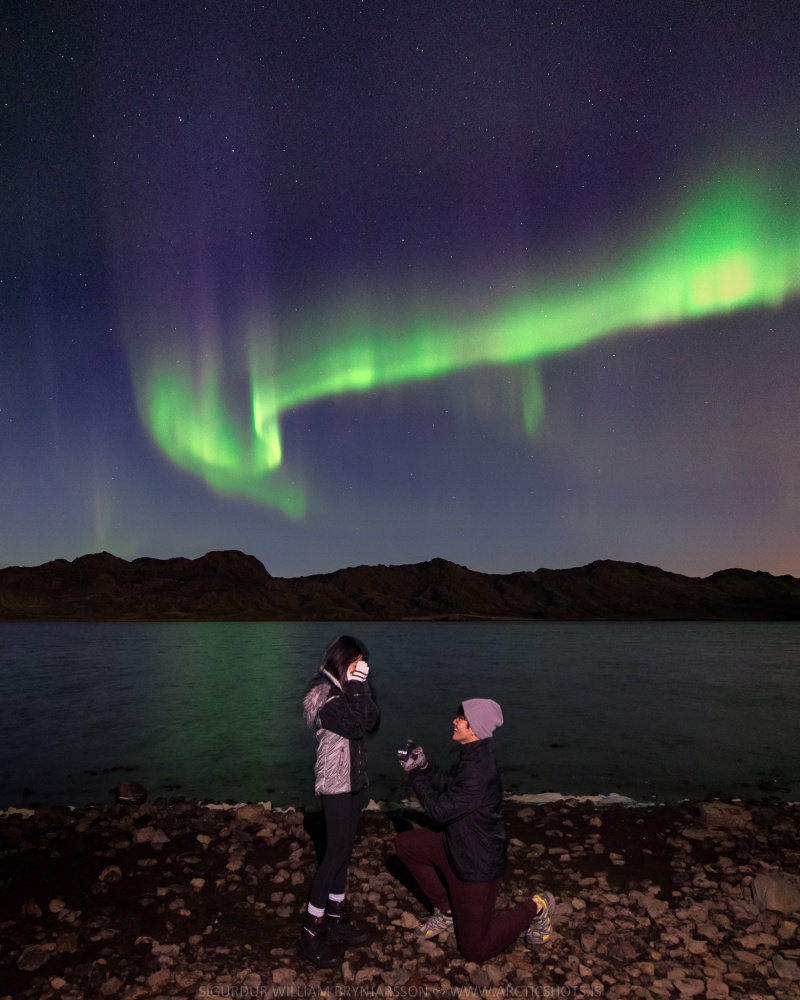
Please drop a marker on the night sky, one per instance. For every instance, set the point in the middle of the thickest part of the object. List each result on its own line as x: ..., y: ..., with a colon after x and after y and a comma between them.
x: 513, y: 284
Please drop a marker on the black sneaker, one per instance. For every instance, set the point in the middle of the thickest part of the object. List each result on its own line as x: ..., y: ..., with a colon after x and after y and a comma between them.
x: 340, y: 929
x: 314, y: 948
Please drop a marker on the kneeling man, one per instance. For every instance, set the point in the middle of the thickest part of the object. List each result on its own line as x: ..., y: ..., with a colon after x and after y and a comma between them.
x: 459, y: 868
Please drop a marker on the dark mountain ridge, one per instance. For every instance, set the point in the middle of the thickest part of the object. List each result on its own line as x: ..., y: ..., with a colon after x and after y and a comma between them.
x: 232, y: 586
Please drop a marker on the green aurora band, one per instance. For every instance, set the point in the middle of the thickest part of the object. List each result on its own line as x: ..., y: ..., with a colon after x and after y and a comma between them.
x: 735, y: 245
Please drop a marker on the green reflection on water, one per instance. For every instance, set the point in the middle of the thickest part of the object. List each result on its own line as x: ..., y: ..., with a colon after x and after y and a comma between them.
x: 227, y: 708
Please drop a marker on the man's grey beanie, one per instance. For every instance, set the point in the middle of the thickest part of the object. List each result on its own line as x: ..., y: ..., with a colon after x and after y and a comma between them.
x: 483, y: 716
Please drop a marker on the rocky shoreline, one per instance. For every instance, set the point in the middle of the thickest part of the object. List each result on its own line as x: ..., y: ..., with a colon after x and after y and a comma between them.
x: 174, y: 898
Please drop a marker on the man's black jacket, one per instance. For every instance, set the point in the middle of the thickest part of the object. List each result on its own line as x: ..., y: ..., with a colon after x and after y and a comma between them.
x: 468, y: 801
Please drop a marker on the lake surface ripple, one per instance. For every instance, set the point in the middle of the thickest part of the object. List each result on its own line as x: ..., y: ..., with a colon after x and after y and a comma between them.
x: 654, y: 710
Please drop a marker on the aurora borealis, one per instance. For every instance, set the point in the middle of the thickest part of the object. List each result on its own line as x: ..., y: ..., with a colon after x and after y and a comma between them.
x: 515, y: 287
x: 733, y: 250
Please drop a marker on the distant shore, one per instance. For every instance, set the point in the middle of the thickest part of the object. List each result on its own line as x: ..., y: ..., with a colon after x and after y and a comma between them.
x: 178, y: 898
x: 233, y: 586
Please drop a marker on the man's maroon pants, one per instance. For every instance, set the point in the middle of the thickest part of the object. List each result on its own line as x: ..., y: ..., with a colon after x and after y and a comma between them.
x: 481, y: 932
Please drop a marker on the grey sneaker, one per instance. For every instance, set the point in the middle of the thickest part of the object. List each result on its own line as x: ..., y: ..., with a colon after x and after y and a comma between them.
x: 542, y: 924
x: 437, y: 923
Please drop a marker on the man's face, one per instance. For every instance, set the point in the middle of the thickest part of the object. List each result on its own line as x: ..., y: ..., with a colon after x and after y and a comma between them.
x: 461, y: 730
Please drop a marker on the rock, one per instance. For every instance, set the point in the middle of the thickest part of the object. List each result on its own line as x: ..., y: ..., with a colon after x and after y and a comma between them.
x: 786, y: 968
x: 130, y: 791
x: 407, y: 920
x: 144, y: 834
x: 710, y: 932
x: 33, y: 957
x: 67, y: 944
x: 396, y: 977
x: 167, y: 950
x: 676, y: 975
x: 776, y: 892
x: 698, y: 913
x: 495, y: 973
x: 58, y: 983
x: 430, y: 948
x: 723, y: 816
x: 367, y: 974
x: 691, y: 987
x: 753, y: 941
x: 56, y: 905
x: 478, y: 976
x: 159, y: 979
x: 716, y: 989
x: 283, y: 975
x: 623, y: 948
x: 747, y: 957
x: 137, y: 993
x: 653, y: 907
x: 112, y: 873
x: 697, y: 833
x: 110, y: 987
x: 252, y: 812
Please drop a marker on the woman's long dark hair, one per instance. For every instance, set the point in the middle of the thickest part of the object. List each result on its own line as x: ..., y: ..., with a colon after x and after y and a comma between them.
x: 340, y: 654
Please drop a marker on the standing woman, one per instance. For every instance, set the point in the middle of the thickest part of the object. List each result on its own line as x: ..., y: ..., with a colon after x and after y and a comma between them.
x: 340, y: 706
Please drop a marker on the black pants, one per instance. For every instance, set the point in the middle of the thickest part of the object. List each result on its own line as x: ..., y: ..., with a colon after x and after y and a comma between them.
x: 341, y: 820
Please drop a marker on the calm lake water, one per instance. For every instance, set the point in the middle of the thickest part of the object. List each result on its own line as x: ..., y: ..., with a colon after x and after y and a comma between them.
x: 653, y: 711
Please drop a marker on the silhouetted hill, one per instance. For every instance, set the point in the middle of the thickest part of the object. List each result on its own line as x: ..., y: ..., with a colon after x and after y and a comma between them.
x: 234, y: 586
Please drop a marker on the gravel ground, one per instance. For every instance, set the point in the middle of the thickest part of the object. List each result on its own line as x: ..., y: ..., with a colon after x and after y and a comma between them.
x: 180, y: 899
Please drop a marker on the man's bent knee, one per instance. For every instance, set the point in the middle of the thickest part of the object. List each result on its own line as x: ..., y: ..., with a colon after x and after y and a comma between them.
x: 475, y: 952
